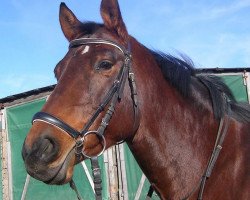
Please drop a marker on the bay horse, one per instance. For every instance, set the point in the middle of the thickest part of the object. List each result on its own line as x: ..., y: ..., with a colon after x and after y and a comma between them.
x: 175, y: 122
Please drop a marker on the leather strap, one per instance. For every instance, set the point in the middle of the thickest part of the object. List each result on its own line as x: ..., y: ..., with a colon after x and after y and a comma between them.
x: 86, y: 41
x: 101, y: 106
x: 113, y: 96
x: 223, y: 129
x: 50, y: 119
x: 73, y: 186
x: 97, y: 179
x: 150, y: 193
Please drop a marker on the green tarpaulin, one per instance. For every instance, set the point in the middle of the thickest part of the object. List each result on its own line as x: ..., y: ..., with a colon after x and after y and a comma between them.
x: 19, y: 123
x: 236, y: 84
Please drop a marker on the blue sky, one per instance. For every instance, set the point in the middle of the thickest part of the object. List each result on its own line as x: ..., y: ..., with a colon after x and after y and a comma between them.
x: 213, y: 33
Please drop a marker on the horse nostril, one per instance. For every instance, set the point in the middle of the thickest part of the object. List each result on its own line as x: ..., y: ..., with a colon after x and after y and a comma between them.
x: 44, y: 149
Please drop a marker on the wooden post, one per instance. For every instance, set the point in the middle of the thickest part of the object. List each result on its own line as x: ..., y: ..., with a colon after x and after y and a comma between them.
x: 246, y: 77
x: 123, y: 187
x: 112, y: 174
x: 4, y: 157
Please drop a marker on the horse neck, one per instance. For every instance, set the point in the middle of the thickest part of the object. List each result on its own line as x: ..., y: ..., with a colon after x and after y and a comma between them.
x: 171, y: 144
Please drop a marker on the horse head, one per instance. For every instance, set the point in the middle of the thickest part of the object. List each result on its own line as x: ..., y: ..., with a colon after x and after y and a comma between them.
x: 175, y: 132
x: 92, y: 75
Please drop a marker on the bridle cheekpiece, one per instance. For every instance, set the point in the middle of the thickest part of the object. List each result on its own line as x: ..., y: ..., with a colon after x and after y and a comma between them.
x: 113, y: 96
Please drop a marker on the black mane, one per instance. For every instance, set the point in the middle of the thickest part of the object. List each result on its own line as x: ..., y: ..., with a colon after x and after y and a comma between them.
x: 180, y: 71
x: 177, y: 71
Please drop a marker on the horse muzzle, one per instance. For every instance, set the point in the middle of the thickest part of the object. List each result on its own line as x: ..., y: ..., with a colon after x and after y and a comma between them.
x: 42, y: 162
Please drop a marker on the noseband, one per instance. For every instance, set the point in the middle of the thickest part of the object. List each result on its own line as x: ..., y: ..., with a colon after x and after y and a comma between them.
x: 113, y: 96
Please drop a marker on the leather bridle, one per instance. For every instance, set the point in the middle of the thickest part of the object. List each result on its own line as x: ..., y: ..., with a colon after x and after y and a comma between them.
x: 113, y: 96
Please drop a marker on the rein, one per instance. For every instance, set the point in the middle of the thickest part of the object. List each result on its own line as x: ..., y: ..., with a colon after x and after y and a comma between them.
x: 222, y: 131
x: 221, y: 134
x: 113, y: 96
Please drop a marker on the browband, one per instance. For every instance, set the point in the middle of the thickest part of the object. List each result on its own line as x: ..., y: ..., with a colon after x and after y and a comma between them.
x: 85, y: 41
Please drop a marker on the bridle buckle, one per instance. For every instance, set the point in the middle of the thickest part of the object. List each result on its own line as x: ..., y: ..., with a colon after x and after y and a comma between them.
x: 79, y: 146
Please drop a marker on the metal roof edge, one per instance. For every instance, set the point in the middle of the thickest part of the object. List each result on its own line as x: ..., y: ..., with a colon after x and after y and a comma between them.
x: 218, y: 70
x: 22, y: 95
x: 50, y: 88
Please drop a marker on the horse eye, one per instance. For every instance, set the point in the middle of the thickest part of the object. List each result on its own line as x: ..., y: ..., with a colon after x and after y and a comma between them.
x: 105, y: 65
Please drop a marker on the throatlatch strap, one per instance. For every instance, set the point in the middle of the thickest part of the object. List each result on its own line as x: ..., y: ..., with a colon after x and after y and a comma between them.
x: 97, y: 179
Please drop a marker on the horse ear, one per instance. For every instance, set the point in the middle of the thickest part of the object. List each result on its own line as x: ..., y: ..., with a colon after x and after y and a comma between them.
x: 69, y: 23
x: 112, y: 18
